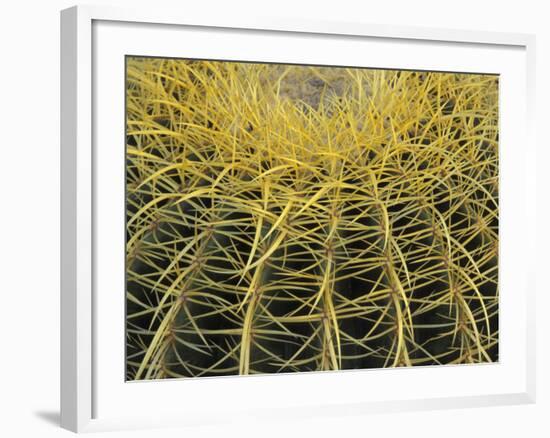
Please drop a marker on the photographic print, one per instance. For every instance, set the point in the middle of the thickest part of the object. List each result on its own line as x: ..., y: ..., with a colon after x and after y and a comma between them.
x: 292, y: 218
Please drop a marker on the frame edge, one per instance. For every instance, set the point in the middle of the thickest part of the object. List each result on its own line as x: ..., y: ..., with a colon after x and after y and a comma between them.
x: 530, y: 46
x: 75, y: 212
x: 68, y: 358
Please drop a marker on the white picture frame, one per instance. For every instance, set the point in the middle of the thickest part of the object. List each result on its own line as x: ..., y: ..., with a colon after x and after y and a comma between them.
x: 92, y: 388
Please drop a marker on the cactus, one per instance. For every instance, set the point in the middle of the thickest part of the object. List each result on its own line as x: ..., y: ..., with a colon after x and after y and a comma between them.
x: 298, y: 218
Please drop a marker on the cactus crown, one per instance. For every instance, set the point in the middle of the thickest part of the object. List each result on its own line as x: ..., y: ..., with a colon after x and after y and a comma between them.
x: 298, y: 218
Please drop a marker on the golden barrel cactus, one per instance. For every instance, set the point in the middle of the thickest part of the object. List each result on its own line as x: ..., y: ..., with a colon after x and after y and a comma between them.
x: 301, y: 218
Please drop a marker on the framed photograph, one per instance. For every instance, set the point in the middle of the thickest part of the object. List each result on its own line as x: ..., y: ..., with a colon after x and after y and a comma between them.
x: 289, y: 218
